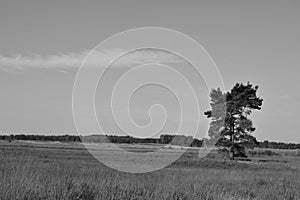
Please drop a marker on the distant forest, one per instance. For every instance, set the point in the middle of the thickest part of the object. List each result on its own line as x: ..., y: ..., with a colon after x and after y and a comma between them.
x: 163, y: 139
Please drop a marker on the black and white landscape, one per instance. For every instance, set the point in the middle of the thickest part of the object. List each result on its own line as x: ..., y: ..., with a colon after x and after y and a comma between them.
x: 149, y: 100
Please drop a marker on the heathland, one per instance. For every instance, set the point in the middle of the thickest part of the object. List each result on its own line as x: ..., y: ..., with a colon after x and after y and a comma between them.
x: 56, y: 170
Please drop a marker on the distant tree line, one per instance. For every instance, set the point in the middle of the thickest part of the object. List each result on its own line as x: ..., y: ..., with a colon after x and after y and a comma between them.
x: 180, y: 140
x: 278, y: 145
x: 163, y: 139
x: 59, y: 138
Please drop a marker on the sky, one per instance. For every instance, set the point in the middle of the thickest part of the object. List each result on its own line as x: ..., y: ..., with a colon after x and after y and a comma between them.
x: 42, y: 44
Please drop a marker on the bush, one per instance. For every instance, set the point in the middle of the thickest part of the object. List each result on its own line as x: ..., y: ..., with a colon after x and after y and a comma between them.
x: 239, y: 151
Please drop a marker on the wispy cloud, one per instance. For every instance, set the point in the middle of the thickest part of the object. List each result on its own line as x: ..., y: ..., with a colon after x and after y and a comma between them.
x: 74, y: 60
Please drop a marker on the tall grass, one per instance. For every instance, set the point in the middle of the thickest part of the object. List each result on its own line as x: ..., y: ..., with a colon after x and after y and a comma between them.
x: 45, y: 175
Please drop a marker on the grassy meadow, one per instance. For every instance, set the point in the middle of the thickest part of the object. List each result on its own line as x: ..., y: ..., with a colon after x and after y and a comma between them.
x: 42, y: 171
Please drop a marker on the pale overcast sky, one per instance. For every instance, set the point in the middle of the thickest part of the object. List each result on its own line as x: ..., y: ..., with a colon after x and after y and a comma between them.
x: 43, y: 42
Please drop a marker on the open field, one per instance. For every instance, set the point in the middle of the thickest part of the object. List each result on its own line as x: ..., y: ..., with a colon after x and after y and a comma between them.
x: 68, y: 171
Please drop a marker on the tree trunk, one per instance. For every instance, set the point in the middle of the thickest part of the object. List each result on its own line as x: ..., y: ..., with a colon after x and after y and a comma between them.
x: 232, y: 142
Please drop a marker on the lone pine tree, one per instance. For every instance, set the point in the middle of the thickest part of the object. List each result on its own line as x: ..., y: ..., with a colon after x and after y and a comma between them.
x: 230, y: 125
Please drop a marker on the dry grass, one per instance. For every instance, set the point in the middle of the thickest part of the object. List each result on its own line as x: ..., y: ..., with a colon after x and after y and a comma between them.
x: 62, y: 173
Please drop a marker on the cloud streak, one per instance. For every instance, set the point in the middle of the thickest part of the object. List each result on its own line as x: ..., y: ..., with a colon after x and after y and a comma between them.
x: 74, y: 60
